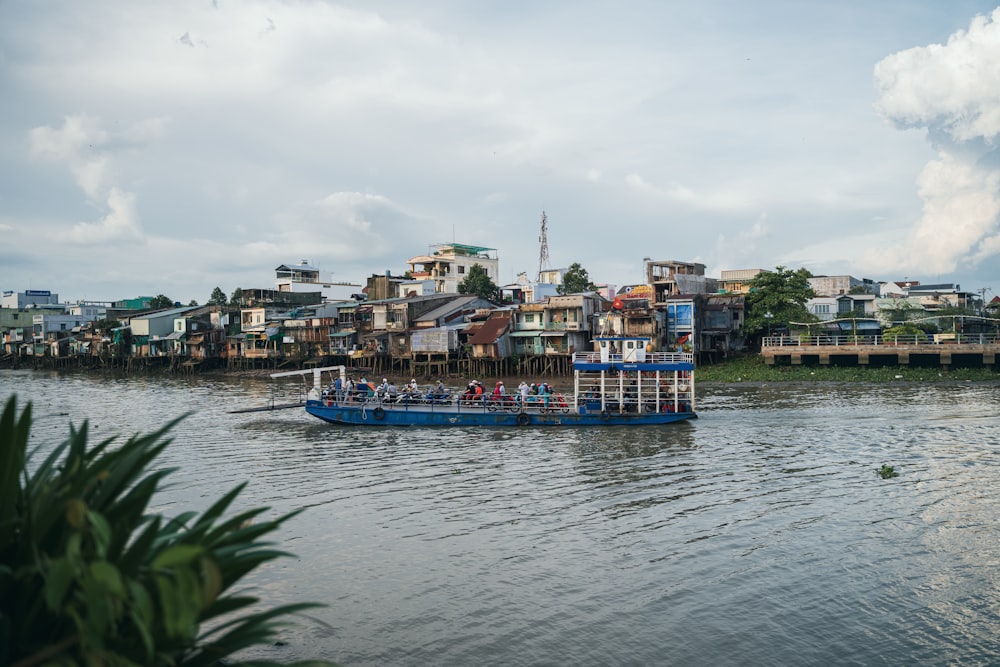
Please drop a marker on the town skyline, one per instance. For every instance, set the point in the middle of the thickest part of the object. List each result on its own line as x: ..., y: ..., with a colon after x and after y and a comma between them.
x: 985, y: 293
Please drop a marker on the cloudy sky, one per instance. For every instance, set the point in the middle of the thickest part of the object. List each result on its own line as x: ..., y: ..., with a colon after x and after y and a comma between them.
x: 172, y: 147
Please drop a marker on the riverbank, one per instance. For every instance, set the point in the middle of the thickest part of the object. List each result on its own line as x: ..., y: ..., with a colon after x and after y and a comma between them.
x: 754, y: 369
x: 751, y: 368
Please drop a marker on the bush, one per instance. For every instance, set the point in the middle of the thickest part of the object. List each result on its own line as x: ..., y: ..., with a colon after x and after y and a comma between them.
x: 89, y: 577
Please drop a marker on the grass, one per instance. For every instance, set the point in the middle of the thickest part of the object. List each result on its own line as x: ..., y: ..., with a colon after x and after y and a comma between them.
x: 753, y: 369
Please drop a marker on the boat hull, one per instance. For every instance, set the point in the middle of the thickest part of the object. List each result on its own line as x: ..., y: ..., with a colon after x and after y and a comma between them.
x: 452, y: 414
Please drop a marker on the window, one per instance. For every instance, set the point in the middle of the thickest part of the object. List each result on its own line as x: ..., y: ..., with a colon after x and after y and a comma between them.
x: 822, y: 309
x: 461, y: 270
x: 529, y: 317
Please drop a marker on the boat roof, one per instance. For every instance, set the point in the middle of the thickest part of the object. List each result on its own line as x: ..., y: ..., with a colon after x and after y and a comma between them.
x: 597, y: 338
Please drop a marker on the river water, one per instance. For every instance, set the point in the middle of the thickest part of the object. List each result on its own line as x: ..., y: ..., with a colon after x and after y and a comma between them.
x: 758, y: 534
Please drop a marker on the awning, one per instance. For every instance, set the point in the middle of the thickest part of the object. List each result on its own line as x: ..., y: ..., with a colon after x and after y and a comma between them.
x: 553, y: 334
x: 174, y: 335
x: 341, y: 334
x: 525, y: 334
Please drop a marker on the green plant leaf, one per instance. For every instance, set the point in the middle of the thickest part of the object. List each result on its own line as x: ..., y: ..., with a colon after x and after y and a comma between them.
x: 180, y: 554
x: 89, y: 577
x: 107, y: 575
x: 100, y: 531
x: 58, y: 577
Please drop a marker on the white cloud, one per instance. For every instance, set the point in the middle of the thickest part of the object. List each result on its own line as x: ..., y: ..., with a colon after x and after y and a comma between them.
x: 120, y: 224
x: 355, y: 135
x: 952, y: 90
x: 955, y: 86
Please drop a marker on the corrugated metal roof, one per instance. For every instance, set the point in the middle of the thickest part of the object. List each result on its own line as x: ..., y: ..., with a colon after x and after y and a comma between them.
x: 490, y: 331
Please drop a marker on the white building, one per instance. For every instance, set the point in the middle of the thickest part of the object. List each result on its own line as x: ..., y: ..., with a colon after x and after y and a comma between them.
x: 299, y: 278
x: 90, y: 311
x: 448, y: 264
x: 523, y: 290
x: 31, y: 297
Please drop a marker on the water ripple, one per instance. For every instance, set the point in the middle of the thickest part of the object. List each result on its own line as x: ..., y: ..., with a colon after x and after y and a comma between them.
x: 758, y: 534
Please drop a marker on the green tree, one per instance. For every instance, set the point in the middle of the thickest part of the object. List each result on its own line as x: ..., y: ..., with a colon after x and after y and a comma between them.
x: 90, y: 577
x: 900, y: 310
x: 193, y: 302
x: 782, y: 294
x: 237, y: 298
x: 161, y: 301
x: 478, y: 282
x: 105, y: 326
x: 218, y: 298
x: 576, y: 280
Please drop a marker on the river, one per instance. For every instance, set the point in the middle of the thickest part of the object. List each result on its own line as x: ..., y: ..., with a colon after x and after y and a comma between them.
x: 758, y: 534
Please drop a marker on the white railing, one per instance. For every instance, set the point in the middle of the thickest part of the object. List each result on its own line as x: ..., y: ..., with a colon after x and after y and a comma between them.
x: 651, y: 358
x: 889, y: 341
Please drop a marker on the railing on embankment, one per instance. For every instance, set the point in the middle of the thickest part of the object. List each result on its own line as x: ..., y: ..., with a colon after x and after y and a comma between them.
x: 943, y: 349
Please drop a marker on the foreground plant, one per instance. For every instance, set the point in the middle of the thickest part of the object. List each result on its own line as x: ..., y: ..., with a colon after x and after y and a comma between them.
x: 89, y: 577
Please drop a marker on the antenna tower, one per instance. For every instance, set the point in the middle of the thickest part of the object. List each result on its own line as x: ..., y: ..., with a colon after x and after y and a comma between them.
x: 543, y: 248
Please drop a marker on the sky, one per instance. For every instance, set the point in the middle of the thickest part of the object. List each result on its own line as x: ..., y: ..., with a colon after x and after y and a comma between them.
x: 174, y: 147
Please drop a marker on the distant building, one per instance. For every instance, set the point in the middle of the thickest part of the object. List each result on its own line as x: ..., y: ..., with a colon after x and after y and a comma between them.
x: 448, y: 264
x: 672, y: 278
x: 138, y: 303
x: 301, y: 277
x: 737, y: 281
x: 90, y: 311
x: 837, y: 285
x: 31, y: 297
x: 523, y: 290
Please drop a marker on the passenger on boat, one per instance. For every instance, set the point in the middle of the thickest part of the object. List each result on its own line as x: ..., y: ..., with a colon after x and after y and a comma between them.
x: 413, y: 386
x: 349, y: 388
x: 364, y: 389
x: 499, y: 390
x: 338, y: 388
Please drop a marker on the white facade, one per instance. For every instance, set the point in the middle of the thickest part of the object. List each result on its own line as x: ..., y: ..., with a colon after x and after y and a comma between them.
x: 44, y: 324
x: 410, y: 288
x: 157, y: 324
x: 91, y: 311
x: 31, y: 297
x: 300, y: 278
x: 823, y: 307
x: 448, y: 264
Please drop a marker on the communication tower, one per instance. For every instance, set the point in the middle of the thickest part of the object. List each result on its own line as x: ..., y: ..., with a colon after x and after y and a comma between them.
x: 543, y: 248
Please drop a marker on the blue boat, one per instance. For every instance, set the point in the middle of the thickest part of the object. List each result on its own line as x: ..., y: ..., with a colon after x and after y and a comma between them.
x: 620, y: 383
